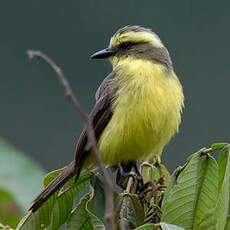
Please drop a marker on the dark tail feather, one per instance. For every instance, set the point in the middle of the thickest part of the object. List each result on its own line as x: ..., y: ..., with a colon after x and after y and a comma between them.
x: 69, y: 171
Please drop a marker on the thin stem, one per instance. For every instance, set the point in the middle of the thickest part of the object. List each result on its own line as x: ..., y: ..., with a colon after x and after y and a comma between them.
x: 207, y: 150
x: 129, y: 184
x: 109, y: 209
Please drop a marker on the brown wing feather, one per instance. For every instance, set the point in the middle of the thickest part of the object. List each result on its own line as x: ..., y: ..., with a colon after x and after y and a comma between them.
x: 100, y: 116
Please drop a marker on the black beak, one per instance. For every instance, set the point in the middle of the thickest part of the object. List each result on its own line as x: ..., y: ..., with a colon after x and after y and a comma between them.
x: 105, y: 53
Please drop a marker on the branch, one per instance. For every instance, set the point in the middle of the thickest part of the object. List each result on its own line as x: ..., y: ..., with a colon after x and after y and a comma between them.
x: 109, y: 209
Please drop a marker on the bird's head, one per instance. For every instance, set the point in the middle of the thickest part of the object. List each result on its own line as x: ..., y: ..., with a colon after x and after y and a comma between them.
x: 135, y: 42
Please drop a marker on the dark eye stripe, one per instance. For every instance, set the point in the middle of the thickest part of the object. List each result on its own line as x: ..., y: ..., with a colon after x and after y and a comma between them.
x: 126, y: 45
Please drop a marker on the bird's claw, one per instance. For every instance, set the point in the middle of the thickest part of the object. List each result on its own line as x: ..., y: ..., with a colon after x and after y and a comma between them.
x: 123, y: 179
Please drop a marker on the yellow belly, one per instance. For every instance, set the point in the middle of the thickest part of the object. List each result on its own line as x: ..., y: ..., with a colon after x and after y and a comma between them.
x: 147, y: 112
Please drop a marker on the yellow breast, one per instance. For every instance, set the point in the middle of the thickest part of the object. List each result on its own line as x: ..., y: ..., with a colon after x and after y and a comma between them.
x: 146, y: 112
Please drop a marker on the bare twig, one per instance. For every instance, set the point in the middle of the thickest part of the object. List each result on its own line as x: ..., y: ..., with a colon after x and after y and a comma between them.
x: 109, y: 209
x: 207, y: 150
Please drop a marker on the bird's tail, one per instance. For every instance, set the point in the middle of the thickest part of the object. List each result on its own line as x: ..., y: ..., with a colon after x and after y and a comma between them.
x: 68, y: 171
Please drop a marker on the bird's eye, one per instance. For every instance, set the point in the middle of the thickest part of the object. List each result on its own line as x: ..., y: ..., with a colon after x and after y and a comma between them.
x: 125, y: 45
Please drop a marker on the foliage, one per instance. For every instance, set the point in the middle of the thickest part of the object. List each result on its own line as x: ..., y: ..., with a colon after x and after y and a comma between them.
x: 198, y: 195
x: 195, y: 196
x: 9, y: 209
x: 19, y: 183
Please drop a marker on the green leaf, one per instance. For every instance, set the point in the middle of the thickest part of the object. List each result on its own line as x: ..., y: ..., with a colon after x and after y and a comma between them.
x: 81, y: 218
x: 222, y: 202
x: 191, y: 196
x: 131, y: 210
x: 159, y: 226
x: 227, y: 226
x: 55, y: 211
x: 97, y: 202
x: 19, y: 174
x: 218, y: 146
x: 170, y: 227
x: 50, y: 176
x: 10, y: 212
x: 171, y: 183
x: 149, y: 172
x: 165, y: 173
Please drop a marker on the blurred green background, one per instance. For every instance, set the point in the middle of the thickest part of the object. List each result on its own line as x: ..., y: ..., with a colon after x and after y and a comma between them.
x: 36, y: 117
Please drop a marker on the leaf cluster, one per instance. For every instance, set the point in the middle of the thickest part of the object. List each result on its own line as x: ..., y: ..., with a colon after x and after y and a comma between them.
x: 195, y: 196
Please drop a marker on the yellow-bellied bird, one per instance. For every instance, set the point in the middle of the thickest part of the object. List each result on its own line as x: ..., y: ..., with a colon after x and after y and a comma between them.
x: 138, y: 105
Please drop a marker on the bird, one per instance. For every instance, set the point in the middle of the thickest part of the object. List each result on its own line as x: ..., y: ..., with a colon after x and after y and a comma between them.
x: 138, y: 107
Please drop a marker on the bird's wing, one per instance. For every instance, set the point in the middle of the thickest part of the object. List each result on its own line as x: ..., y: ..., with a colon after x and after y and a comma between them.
x: 104, y: 88
x: 100, y: 116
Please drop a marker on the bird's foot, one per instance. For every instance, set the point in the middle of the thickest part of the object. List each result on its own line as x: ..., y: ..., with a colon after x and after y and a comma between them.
x: 129, y: 178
